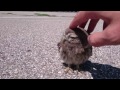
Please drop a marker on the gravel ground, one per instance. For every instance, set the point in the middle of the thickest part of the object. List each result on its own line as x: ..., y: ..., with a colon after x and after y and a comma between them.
x: 28, y: 49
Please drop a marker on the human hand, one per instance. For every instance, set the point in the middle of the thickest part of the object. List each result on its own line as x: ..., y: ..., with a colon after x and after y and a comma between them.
x: 111, y: 26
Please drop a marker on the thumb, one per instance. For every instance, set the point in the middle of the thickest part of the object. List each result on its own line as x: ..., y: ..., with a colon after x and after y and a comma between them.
x: 97, y: 39
x: 109, y: 36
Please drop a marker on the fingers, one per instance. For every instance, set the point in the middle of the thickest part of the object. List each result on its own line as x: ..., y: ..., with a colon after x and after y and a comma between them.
x: 79, y: 20
x: 105, y: 25
x: 82, y: 17
x: 83, y: 24
x: 97, y: 39
x: 92, y: 25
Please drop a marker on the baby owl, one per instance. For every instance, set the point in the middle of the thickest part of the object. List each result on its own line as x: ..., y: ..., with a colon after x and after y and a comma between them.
x: 74, y: 48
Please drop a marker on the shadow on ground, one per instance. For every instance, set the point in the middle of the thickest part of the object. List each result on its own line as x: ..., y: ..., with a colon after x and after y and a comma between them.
x: 101, y: 71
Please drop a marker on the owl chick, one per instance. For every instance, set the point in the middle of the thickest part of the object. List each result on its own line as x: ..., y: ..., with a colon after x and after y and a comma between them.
x: 74, y: 48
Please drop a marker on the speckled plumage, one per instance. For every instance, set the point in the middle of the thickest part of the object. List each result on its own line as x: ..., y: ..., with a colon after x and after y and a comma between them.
x: 73, y: 47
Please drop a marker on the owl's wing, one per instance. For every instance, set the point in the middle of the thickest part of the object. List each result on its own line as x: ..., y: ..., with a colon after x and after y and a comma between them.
x: 88, y: 50
x: 58, y: 45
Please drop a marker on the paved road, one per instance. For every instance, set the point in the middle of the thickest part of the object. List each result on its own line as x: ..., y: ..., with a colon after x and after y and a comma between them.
x: 28, y: 50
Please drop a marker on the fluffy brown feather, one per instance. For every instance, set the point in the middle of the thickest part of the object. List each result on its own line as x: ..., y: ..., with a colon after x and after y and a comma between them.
x: 74, y: 47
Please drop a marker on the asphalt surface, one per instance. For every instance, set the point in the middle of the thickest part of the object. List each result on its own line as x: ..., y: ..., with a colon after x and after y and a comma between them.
x: 28, y: 49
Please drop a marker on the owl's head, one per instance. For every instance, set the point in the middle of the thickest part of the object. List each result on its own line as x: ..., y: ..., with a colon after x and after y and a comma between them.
x: 77, y: 35
x: 72, y: 38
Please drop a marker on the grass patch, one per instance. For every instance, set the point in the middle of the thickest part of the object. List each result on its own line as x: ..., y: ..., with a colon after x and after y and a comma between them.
x: 39, y: 14
x: 9, y: 13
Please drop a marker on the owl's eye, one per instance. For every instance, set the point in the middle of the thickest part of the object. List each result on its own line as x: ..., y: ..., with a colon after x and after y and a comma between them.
x: 74, y: 37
